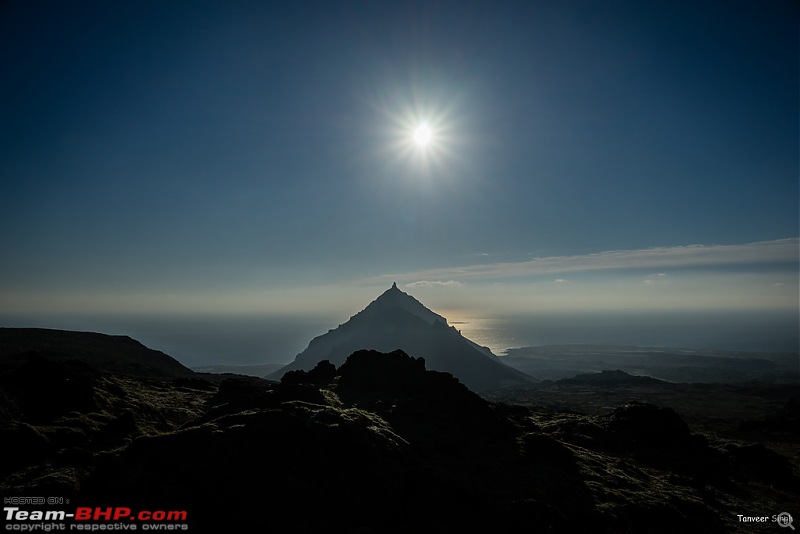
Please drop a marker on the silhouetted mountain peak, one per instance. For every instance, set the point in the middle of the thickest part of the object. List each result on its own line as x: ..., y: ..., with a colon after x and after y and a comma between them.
x: 396, y: 320
x: 396, y: 298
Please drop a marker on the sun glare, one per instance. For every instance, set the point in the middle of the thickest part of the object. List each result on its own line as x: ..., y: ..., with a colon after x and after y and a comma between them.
x: 422, y: 135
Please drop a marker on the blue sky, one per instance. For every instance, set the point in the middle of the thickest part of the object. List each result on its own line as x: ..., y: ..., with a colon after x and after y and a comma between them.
x: 257, y: 156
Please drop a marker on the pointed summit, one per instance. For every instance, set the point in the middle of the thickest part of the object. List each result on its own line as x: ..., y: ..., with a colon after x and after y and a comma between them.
x: 396, y: 320
x: 396, y: 298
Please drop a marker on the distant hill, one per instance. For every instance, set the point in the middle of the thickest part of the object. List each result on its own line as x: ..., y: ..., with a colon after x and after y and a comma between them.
x: 115, y: 354
x: 671, y: 364
x: 610, y: 378
x: 259, y: 370
x: 396, y: 320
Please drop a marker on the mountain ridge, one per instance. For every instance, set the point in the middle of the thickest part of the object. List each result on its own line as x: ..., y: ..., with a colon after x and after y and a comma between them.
x: 396, y: 320
x: 115, y: 354
x: 394, y: 297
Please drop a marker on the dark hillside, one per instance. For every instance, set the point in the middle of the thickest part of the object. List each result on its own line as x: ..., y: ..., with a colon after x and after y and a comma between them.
x: 379, y: 444
x: 115, y: 354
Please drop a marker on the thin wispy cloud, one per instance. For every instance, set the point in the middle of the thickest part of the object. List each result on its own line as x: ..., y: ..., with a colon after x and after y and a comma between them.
x: 435, y: 283
x: 658, y: 278
x: 782, y: 251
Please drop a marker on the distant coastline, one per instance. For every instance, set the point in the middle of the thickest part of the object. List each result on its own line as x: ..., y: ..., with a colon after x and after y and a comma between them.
x: 230, y: 340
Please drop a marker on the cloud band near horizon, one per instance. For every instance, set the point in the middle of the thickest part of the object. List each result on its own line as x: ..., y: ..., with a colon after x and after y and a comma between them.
x: 780, y: 251
x: 768, y: 279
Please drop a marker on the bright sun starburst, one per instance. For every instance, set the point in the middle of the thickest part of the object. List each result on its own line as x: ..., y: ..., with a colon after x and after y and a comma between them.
x: 420, y: 136
x: 423, y: 135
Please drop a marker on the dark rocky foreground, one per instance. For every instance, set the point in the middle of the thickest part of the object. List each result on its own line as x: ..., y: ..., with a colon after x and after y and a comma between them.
x: 377, y: 445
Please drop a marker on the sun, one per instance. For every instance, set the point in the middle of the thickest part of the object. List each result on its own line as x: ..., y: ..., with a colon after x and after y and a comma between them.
x: 423, y: 135
x: 418, y: 136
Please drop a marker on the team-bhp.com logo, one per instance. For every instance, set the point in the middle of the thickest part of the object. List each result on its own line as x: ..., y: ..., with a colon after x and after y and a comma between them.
x: 118, y: 513
x: 94, y: 518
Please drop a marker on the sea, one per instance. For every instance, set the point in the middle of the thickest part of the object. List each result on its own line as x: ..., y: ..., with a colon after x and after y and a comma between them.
x: 202, y: 340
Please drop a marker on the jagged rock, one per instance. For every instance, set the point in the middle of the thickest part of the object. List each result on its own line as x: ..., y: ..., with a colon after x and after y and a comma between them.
x: 380, y: 445
x: 390, y: 456
x: 428, y: 407
x: 321, y: 375
x: 370, y: 370
x: 245, y: 392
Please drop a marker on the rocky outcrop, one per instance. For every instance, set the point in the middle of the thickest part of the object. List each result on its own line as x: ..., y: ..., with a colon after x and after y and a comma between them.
x: 377, y: 444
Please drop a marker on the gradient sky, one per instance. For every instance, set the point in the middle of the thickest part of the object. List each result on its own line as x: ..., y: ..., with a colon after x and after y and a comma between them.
x: 240, y: 156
